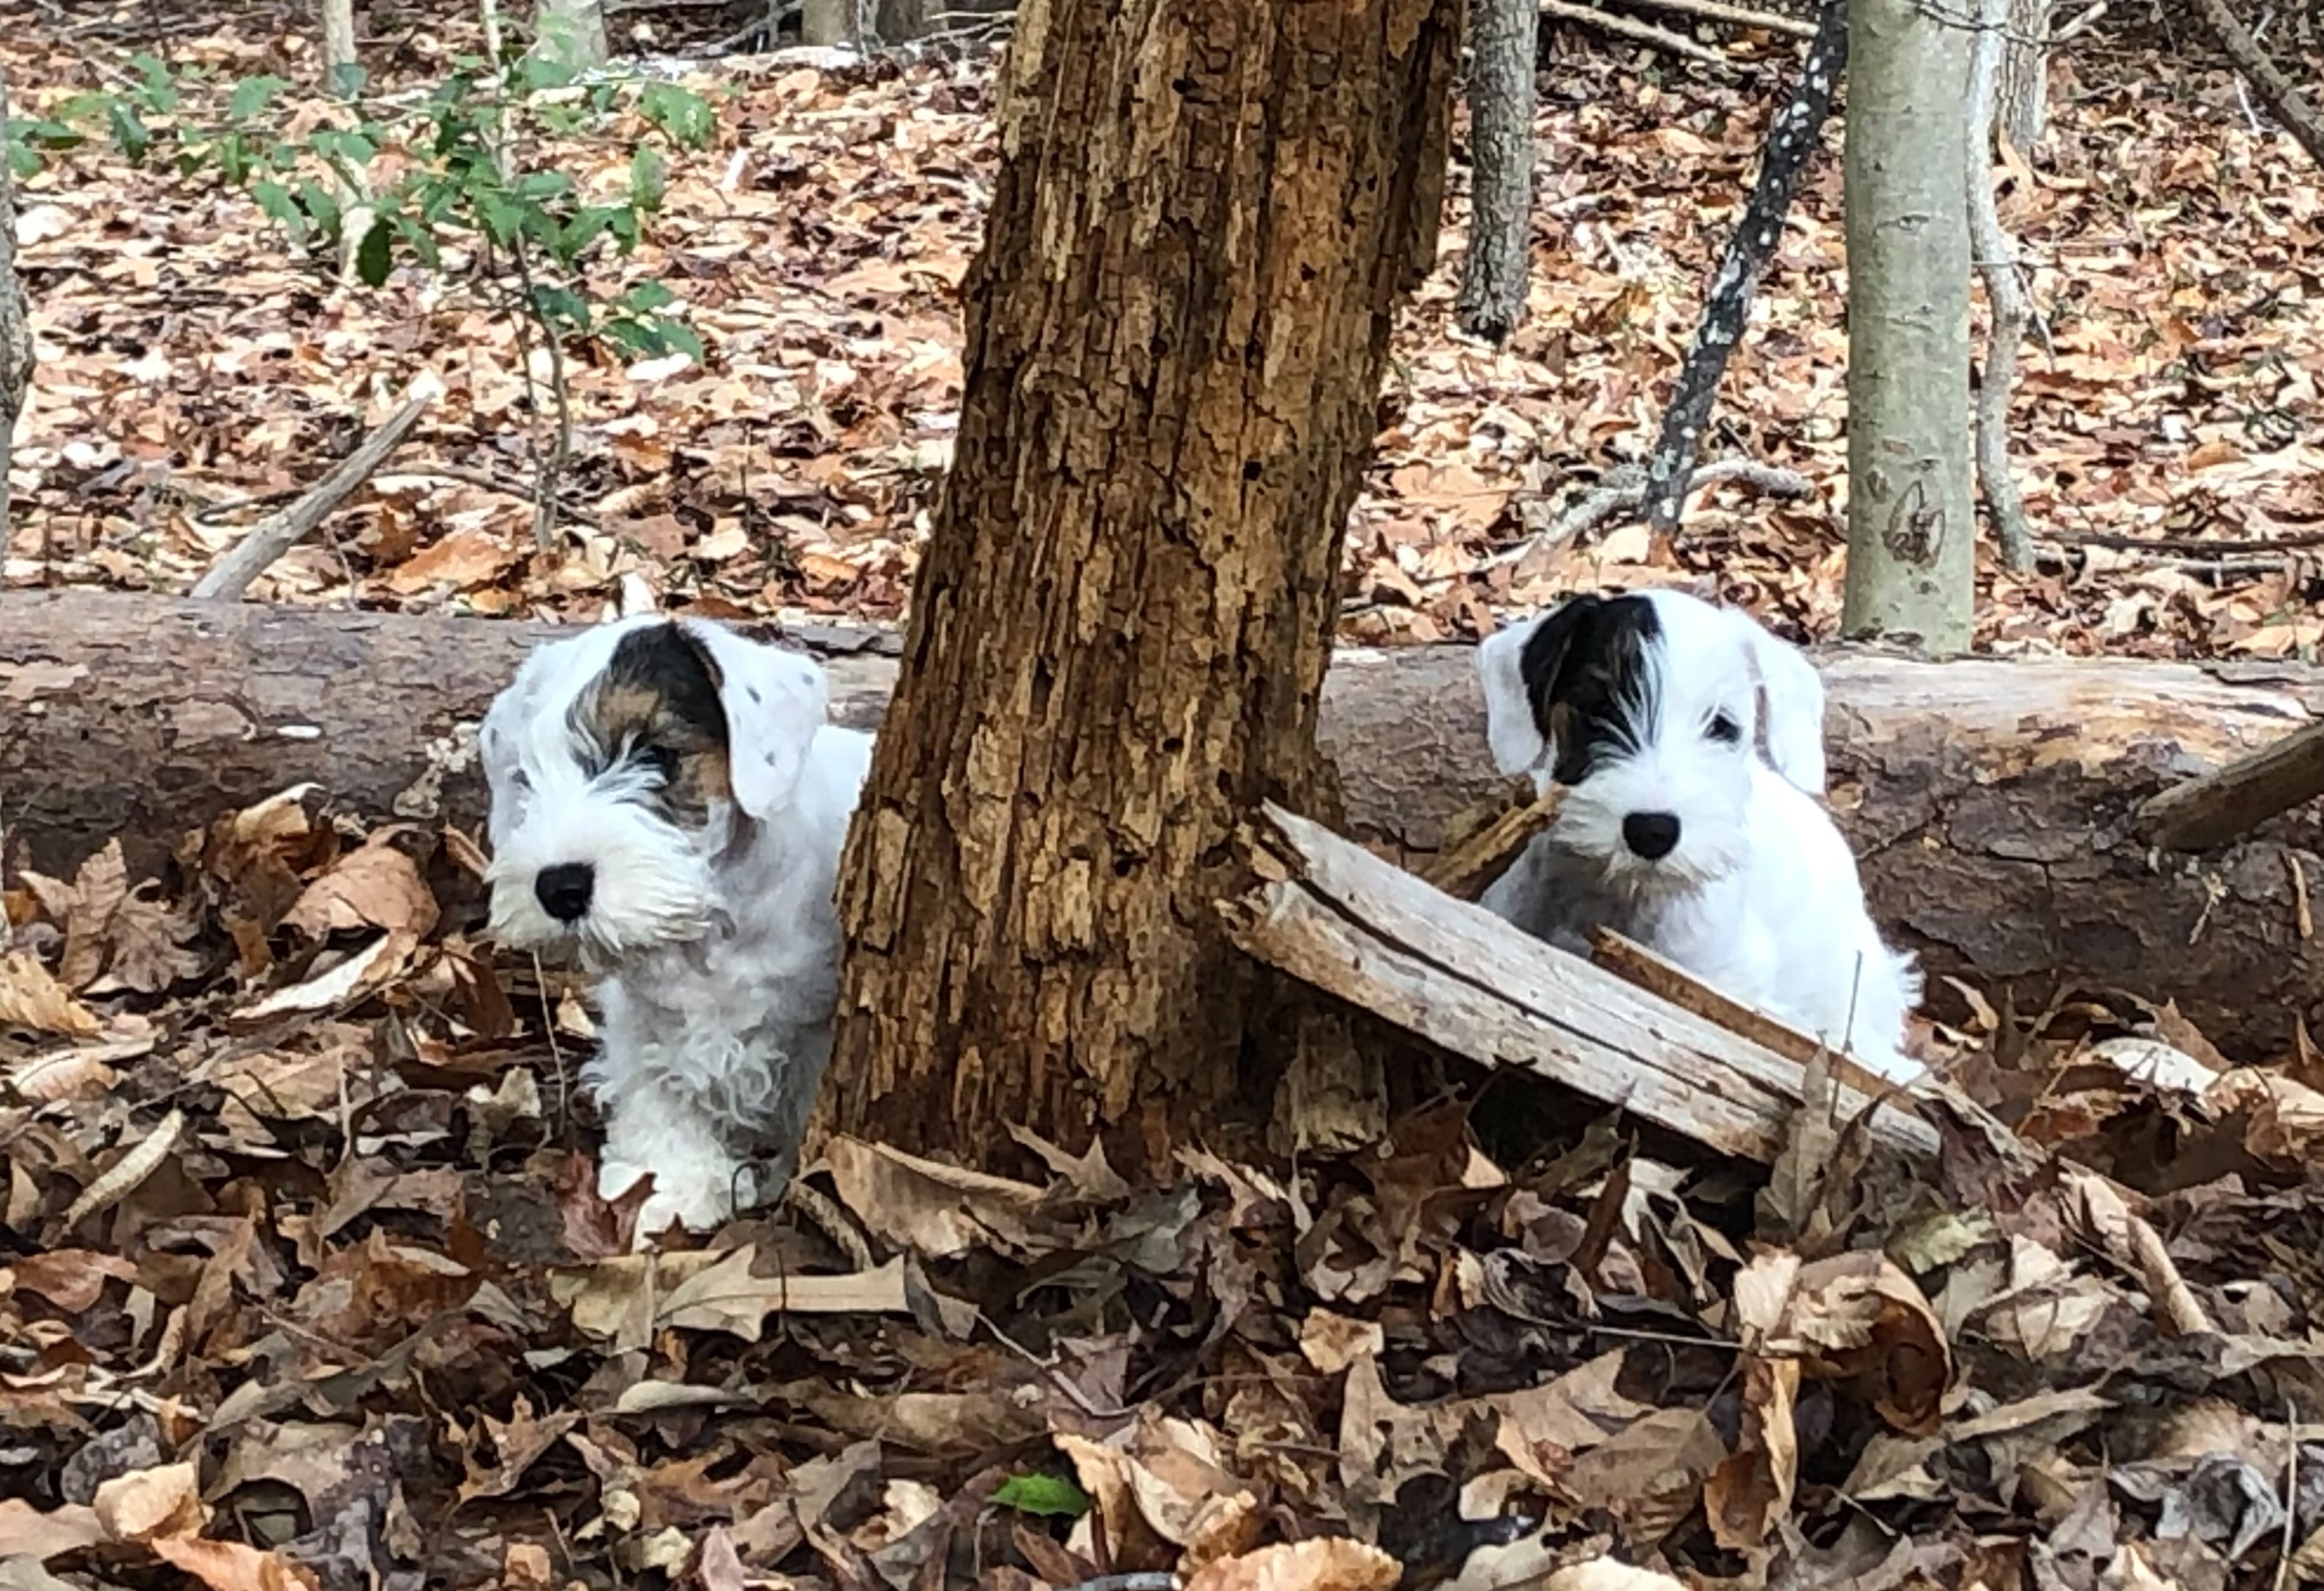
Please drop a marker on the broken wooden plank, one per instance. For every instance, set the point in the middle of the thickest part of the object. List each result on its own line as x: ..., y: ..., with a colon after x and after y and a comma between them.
x: 1467, y: 868
x: 1334, y: 915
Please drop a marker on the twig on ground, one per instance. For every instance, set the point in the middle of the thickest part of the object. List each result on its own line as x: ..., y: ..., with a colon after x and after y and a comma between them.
x: 2276, y: 88
x: 2132, y: 1243
x: 276, y: 535
x: 1644, y: 33
x: 1737, y: 16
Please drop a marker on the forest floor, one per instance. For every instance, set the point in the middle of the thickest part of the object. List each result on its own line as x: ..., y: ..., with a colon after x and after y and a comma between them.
x: 303, y: 1279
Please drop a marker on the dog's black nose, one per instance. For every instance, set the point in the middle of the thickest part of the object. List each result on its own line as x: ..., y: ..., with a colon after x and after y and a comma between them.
x: 564, y: 889
x: 1650, y: 834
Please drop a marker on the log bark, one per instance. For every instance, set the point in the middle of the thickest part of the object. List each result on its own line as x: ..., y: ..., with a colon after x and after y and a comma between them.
x: 1205, y: 216
x: 1996, y: 802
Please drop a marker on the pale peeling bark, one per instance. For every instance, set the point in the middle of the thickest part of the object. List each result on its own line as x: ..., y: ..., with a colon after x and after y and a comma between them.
x: 15, y: 329
x: 1206, y: 214
x: 1504, y: 37
x: 338, y: 20
x: 571, y: 33
x: 1911, y: 519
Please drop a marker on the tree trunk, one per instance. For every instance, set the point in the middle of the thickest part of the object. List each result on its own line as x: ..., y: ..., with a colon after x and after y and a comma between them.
x: 2024, y: 87
x: 571, y: 33
x: 1206, y: 214
x: 1995, y: 802
x: 1996, y: 266
x: 1910, y: 518
x: 826, y: 22
x: 1793, y: 135
x: 338, y: 43
x: 1504, y: 38
x: 16, y: 326
x: 2276, y: 87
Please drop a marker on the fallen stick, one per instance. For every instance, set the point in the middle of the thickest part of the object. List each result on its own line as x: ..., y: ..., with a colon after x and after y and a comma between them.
x: 1330, y: 914
x: 1624, y: 492
x: 2229, y: 803
x: 1645, y: 32
x: 1735, y: 16
x: 1468, y: 868
x: 277, y: 533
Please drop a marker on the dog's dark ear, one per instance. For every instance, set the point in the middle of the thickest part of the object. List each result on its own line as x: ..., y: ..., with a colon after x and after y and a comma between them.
x: 1521, y: 667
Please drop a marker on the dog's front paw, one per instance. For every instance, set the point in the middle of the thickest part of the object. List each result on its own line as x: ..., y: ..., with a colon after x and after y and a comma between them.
x: 697, y: 1195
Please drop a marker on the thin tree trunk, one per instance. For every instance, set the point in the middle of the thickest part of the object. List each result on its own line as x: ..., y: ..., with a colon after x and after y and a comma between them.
x: 2025, y: 89
x: 1206, y: 214
x: 571, y: 33
x: 1504, y: 37
x: 1912, y: 560
x: 15, y: 329
x: 2274, y: 88
x: 1792, y: 139
x: 338, y: 19
x: 826, y: 22
x: 1996, y: 263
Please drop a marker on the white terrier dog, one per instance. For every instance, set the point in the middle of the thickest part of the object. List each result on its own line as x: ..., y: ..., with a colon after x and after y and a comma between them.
x: 668, y: 802
x: 1691, y: 741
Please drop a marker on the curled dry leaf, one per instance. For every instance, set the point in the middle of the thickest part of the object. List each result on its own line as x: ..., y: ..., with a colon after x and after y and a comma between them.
x: 1752, y: 1489
x: 30, y: 997
x: 940, y: 1210
x: 377, y: 887
x: 1334, y: 1563
x: 1852, y: 1317
x: 346, y: 983
x: 148, y: 1503
x: 1606, y: 1574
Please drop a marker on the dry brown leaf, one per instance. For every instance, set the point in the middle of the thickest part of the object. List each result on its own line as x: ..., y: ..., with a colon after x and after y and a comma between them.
x: 347, y: 982
x: 1853, y: 1317
x: 376, y: 886
x: 726, y: 1297
x: 1332, y: 1563
x: 1752, y: 1490
x: 24, y: 1530
x: 938, y: 1210
x: 231, y: 1566
x: 30, y: 997
x: 147, y: 1505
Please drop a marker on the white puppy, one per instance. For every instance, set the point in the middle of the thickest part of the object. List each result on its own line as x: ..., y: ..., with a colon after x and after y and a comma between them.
x: 668, y: 802
x: 1691, y: 741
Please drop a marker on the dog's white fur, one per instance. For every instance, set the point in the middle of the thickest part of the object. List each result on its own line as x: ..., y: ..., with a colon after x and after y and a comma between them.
x: 719, y: 947
x: 1760, y: 897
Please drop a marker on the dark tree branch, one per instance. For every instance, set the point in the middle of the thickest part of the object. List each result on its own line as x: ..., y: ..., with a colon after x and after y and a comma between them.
x: 1790, y: 142
x: 2279, y: 93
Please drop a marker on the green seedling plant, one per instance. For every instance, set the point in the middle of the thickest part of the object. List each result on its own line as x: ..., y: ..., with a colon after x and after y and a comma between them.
x: 436, y: 181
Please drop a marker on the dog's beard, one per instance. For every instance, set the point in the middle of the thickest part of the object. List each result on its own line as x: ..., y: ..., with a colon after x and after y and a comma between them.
x: 1711, y: 844
x: 652, y: 885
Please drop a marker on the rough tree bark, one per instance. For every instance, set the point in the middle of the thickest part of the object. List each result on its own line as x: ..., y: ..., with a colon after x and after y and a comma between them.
x: 1504, y: 38
x: 15, y: 328
x: 1911, y: 515
x: 2025, y: 85
x: 1996, y: 254
x: 1792, y: 139
x: 1206, y: 214
x: 1997, y: 802
x: 2276, y: 88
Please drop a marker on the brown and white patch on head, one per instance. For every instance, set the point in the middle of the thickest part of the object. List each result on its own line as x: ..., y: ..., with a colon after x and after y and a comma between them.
x: 656, y: 708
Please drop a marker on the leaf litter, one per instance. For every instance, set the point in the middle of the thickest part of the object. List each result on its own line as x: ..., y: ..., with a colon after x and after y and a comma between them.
x: 304, y: 1281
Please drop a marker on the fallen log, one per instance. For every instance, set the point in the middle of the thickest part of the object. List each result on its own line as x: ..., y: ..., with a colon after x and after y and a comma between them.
x: 1994, y: 802
x: 1331, y: 914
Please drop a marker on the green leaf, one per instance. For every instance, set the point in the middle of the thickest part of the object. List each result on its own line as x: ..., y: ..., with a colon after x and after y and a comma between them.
x: 322, y: 205
x: 647, y: 297
x: 681, y: 114
x: 275, y: 200
x: 503, y: 218
x: 253, y: 94
x: 157, y: 90
x: 348, y: 80
x: 648, y: 178
x: 372, y: 258
x: 1042, y: 1494
x: 560, y: 308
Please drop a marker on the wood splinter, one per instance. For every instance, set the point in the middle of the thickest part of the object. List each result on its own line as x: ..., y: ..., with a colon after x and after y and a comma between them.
x: 2229, y: 802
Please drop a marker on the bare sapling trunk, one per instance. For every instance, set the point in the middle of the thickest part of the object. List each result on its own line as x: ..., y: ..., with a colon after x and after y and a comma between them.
x: 339, y: 20
x: 16, y: 326
x: 2005, y: 296
x: 1792, y: 140
x: 1505, y: 36
x: 1912, y: 561
x: 571, y: 33
x: 826, y: 22
x: 1205, y: 216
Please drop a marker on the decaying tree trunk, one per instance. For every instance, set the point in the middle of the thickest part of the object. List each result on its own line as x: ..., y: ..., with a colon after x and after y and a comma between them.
x: 15, y: 329
x: 1504, y: 41
x: 1911, y: 517
x: 1997, y: 803
x: 1206, y: 214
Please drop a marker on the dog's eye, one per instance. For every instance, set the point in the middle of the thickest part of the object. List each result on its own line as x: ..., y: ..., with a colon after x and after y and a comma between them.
x: 661, y: 759
x: 1724, y: 729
